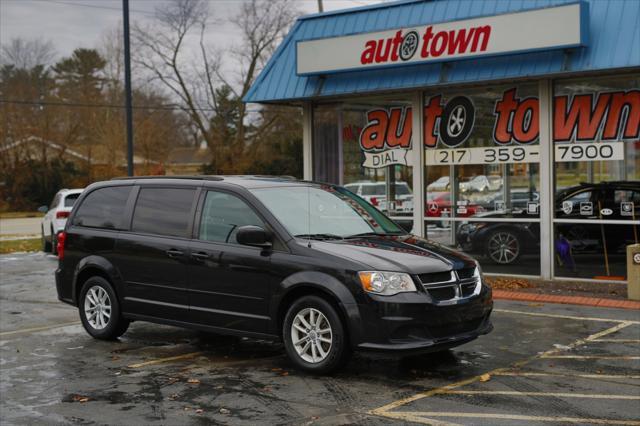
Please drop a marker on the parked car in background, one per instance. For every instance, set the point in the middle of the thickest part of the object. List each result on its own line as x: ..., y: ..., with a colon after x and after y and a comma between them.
x: 481, y: 183
x: 56, y: 216
x: 520, y: 197
x: 505, y: 242
x: 310, y: 264
x: 439, y: 205
x: 439, y: 185
x: 376, y: 194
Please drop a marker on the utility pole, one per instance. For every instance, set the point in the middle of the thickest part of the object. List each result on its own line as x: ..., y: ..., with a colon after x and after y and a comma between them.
x: 127, y: 87
x: 320, y: 8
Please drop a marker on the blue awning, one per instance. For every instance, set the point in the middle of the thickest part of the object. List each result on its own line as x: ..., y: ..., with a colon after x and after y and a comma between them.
x: 614, y: 43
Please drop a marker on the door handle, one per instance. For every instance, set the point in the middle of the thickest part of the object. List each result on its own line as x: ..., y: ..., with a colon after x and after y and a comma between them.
x: 174, y: 253
x: 200, y: 255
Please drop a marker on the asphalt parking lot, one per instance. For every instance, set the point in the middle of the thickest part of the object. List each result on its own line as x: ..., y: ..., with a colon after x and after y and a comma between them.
x: 543, y: 364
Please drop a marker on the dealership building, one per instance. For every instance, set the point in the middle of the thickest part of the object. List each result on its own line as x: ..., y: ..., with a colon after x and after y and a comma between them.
x: 508, y: 129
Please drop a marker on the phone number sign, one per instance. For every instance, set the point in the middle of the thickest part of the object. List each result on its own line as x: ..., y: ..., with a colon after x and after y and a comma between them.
x: 489, y: 155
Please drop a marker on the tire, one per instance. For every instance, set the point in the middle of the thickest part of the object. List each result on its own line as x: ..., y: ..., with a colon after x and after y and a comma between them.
x: 503, y: 246
x: 336, y: 351
x: 96, y: 288
x: 54, y: 243
x: 46, y: 245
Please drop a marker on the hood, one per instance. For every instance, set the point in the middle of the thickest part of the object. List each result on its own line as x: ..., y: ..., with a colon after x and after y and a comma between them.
x: 404, y: 253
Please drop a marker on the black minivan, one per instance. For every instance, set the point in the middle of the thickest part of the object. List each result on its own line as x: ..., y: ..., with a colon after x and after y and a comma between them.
x: 309, y: 263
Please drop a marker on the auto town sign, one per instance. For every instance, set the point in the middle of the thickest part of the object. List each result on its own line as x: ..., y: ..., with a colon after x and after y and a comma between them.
x: 610, y: 117
x: 564, y: 27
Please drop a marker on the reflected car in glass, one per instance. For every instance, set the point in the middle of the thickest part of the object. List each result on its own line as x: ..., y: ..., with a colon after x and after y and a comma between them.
x: 504, y: 242
x: 310, y: 264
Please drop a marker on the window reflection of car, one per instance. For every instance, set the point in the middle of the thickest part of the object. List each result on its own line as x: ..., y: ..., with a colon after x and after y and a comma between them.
x: 504, y: 243
x: 376, y: 194
x: 439, y: 205
x: 440, y: 184
x: 481, y: 183
x: 520, y: 197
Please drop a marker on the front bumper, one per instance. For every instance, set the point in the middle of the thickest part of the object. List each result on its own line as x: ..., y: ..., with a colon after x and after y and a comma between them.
x: 411, y: 322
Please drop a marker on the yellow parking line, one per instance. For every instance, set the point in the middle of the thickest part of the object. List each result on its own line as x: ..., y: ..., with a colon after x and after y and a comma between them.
x: 167, y: 359
x: 550, y: 394
x: 586, y: 376
x: 385, y: 409
x: 541, y: 314
x: 36, y: 329
x: 617, y: 340
x: 623, y: 357
x: 417, y: 417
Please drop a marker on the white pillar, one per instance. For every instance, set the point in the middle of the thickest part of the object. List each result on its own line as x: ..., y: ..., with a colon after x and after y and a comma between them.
x: 417, y: 161
x: 547, y: 168
x: 307, y: 141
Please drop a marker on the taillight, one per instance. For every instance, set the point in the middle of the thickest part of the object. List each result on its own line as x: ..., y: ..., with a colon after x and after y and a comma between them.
x: 62, y: 215
x: 62, y: 236
x: 374, y: 201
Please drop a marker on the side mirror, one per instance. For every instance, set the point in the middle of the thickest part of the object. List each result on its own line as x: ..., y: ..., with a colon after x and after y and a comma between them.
x: 43, y: 209
x: 250, y: 235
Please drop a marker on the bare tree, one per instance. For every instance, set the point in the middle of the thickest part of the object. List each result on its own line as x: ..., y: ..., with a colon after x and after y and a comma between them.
x: 195, y: 78
x: 26, y: 54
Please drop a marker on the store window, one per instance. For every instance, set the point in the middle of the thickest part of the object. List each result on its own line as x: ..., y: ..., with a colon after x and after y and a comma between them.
x: 370, y: 140
x: 482, y: 174
x: 596, y: 130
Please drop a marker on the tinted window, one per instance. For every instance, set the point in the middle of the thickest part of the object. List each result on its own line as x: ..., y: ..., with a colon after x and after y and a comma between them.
x: 222, y: 215
x: 163, y: 211
x: 70, y: 200
x: 103, y: 208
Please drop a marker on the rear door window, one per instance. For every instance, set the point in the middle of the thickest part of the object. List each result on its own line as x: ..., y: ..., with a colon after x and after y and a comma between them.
x: 70, y: 200
x: 103, y: 208
x: 164, y: 211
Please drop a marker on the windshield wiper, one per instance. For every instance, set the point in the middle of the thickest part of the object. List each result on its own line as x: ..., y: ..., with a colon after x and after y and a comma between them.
x: 320, y: 236
x: 375, y: 234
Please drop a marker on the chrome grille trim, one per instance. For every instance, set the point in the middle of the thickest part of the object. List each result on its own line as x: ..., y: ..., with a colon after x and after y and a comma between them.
x: 456, y: 284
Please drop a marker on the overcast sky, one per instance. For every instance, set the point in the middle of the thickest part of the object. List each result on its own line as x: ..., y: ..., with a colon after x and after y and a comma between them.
x: 81, y: 23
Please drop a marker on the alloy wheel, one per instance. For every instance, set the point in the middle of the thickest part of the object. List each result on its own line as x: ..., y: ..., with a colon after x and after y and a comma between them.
x: 97, y: 307
x: 503, y: 247
x: 311, y: 335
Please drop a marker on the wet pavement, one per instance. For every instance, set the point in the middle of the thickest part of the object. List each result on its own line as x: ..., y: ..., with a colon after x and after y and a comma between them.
x: 543, y: 364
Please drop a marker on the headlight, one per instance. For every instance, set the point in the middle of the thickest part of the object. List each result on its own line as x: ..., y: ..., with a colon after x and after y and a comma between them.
x: 386, y: 283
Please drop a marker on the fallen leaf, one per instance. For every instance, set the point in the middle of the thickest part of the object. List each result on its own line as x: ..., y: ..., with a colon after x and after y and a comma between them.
x: 199, y: 411
x: 173, y: 396
x: 193, y: 381
x: 224, y: 411
x: 485, y: 377
x: 535, y: 304
x: 284, y: 373
x: 80, y: 398
x: 276, y: 369
x: 115, y: 358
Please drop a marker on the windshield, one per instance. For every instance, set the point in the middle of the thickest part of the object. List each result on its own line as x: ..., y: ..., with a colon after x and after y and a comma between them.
x: 324, y: 210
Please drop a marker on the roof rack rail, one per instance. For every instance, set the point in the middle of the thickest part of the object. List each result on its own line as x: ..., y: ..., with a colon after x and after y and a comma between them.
x: 193, y: 177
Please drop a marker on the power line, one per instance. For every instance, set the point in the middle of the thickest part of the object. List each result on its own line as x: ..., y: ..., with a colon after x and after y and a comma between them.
x: 164, y: 107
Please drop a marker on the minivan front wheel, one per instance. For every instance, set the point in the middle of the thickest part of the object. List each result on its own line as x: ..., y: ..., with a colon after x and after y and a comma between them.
x: 100, y: 311
x: 314, y: 336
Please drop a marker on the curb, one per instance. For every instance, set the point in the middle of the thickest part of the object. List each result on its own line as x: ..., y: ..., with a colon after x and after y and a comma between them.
x: 569, y: 300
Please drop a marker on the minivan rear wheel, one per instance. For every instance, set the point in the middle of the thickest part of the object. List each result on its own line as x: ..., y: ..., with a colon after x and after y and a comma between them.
x: 314, y: 336
x: 100, y: 311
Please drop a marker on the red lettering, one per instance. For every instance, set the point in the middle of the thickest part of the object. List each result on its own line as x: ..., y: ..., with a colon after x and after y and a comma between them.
x: 619, y: 101
x: 441, y: 37
x: 432, y: 112
x: 369, y: 52
x: 397, y: 41
x: 373, y: 134
x: 399, y: 132
x: 504, y: 109
x: 458, y: 43
x: 526, y: 121
x: 426, y: 38
x: 485, y: 33
x: 581, y: 119
x: 383, y: 57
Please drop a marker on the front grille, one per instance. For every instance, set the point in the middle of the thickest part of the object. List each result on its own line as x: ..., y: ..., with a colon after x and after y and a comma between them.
x: 451, y: 285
